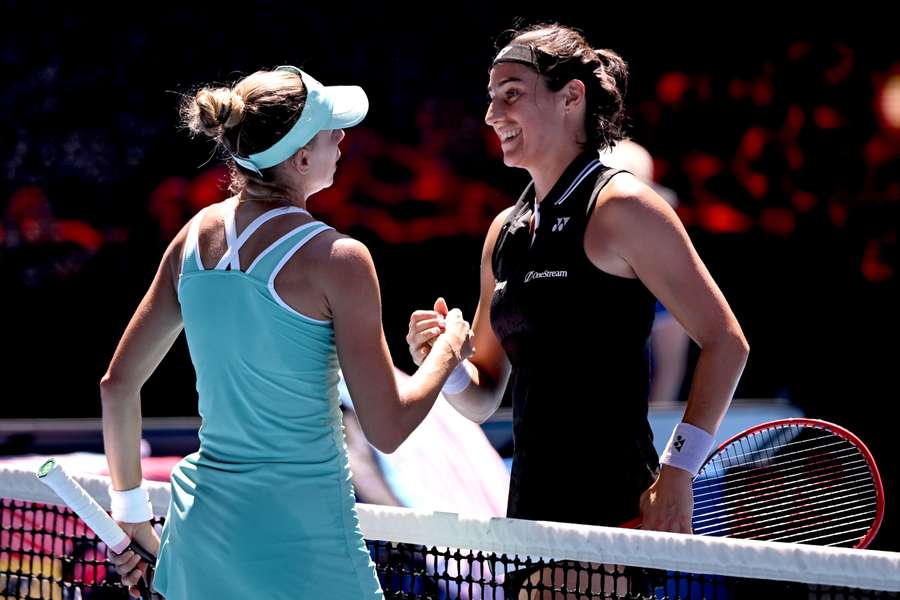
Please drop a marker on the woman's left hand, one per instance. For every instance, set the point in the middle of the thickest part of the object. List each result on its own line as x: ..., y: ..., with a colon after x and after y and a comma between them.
x: 668, y: 504
x: 129, y: 565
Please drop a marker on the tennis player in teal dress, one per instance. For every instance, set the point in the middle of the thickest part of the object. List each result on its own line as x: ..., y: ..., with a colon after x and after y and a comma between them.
x: 271, y: 301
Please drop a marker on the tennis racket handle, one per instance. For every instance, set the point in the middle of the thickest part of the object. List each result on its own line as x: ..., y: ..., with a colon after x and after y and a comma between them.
x: 82, y: 504
x: 139, y: 550
x: 145, y: 582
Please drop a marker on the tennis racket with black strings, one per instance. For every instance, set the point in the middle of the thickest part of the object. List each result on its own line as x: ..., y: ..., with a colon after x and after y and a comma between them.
x: 801, y: 481
x: 82, y: 504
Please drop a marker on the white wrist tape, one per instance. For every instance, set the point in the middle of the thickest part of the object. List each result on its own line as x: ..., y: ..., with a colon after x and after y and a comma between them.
x: 131, y: 506
x: 458, y: 381
x: 688, y: 448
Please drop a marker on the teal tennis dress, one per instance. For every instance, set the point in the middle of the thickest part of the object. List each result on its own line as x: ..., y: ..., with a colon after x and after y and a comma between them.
x: 265, y: 508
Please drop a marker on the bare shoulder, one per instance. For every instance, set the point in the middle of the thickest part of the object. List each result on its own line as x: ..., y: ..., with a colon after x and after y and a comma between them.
x: 313, y: 251
x: 623, y: 192
x: 494, y: 230
x: 177, y: 244
x: 342, y: 262
x: 212, y: 216
x: 627, y: 217
x: 626, y: 202
x: 173, y: 257
x: 500, y: 218
x: 341, y: 250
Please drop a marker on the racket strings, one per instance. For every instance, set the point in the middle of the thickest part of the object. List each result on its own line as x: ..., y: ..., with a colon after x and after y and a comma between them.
x: 787, y: 485
x: 790, y: 522
x: 757, y: 444
x: 810, y: 459
x: 745, y: 504
x: 730, y: 461
x: 744, y: 520
x: 790, y: 476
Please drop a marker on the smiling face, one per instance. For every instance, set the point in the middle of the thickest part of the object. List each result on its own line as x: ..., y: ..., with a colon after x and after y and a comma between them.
x: 526, y: 116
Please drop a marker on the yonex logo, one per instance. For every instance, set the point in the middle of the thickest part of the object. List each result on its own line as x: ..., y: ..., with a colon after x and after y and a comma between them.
x: 544, y: 274
x: 560, y: 223
x: 679, y: 443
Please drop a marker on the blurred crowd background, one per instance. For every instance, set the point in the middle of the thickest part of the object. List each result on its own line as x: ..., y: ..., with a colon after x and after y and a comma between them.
x: 781, y: 142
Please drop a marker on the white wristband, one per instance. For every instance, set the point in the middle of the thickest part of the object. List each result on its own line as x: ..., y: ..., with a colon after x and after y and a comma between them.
x: 687, y: 448
x: 458, y: 381
x: 131, y: 506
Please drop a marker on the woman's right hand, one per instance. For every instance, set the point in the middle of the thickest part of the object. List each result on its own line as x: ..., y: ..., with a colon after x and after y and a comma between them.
x: 424, y: 328
x: 458, y: 336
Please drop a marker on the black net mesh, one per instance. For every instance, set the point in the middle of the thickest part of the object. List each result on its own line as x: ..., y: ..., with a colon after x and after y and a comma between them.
x: 48, y: 552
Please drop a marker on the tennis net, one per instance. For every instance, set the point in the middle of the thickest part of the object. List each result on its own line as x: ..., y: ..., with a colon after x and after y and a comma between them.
x: 47, y: 552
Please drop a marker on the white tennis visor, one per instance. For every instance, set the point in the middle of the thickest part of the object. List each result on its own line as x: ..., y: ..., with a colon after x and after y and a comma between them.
x: 326, y: 107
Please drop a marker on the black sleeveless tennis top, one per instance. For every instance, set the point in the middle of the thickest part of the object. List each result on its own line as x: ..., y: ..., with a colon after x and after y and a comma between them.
x: 578, y: 342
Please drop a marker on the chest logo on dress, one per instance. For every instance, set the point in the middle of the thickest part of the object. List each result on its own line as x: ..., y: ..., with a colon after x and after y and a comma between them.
x: 560, y: 223
x: 532, y: 275
x: 500, y: 285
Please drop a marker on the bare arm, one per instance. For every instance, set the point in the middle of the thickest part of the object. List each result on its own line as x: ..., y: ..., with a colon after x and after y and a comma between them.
x: 488, y: 367
x: 149, y: 336
x: 387, y: 413
x: 633, y: 224
x: 642, y: 229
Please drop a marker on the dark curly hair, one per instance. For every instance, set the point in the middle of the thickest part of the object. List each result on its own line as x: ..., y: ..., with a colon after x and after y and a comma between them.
x: 564, y: 55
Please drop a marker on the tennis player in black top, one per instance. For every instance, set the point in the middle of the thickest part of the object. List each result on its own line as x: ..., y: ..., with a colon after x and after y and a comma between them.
x: 568, y: 280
